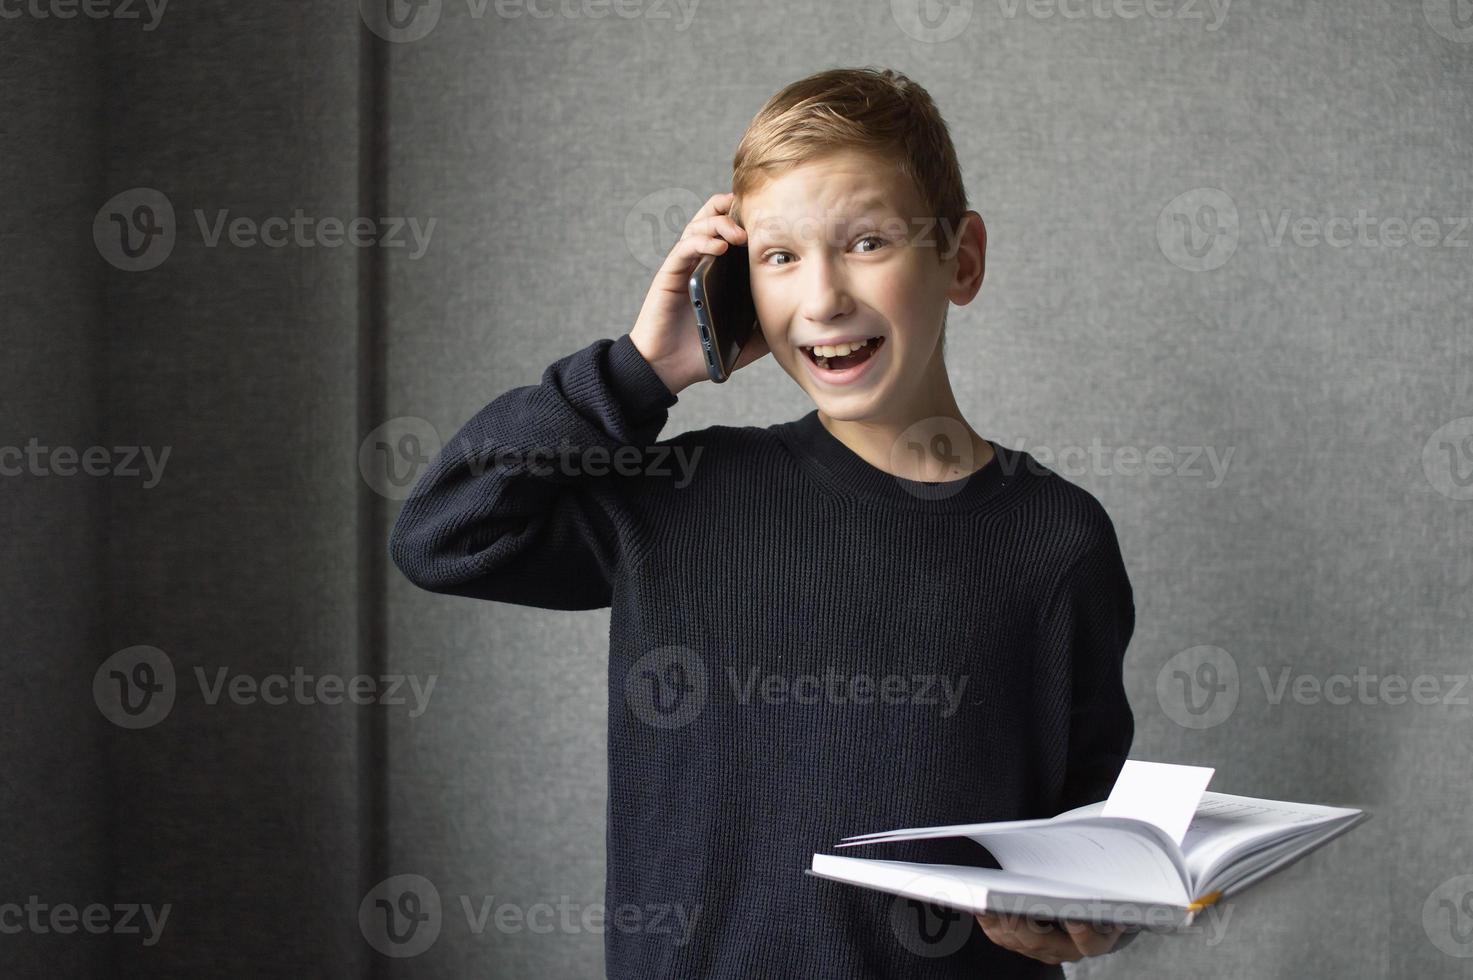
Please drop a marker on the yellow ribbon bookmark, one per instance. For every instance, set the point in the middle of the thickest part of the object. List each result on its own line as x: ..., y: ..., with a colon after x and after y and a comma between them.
x: 1204, y: 901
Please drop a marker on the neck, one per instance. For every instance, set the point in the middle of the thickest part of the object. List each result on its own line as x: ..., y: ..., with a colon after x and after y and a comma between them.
x: 924, y: 438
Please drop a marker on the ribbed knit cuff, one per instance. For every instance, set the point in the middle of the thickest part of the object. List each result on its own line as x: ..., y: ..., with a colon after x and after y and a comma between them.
x: 633, y: 380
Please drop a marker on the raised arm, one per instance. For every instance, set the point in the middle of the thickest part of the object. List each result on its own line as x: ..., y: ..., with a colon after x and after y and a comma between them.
x: 500, y: 515
x: 491, y: 520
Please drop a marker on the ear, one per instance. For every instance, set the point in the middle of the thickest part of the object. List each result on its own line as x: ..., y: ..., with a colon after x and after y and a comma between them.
x: 968, y: 258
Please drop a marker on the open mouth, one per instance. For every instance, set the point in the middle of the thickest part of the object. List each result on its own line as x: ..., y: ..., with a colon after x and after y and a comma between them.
x: 840, y: 357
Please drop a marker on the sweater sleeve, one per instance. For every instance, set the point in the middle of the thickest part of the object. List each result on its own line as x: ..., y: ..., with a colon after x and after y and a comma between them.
x: 1086, y: 626
x: 496, y: 514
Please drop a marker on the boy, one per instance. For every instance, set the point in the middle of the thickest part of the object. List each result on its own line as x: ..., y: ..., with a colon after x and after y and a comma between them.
x: 866, y: 618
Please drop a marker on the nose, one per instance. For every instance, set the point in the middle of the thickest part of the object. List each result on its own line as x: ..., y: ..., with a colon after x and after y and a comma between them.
x: 826, y: 294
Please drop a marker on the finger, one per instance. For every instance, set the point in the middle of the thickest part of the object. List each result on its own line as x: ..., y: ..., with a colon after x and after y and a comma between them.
x: 1054, y: 947
x: 682, y: 259
x: 1025, y: 937
x: 1046, y: 940
x: 1092, y: 940
x: 715, y: 204
x: 1052, y: 950
x: 995, y: 926
x: 998, y: 934
x: 716, y: 224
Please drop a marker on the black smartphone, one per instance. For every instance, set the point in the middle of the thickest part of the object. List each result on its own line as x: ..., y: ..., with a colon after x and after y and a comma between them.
x: 726, y: 315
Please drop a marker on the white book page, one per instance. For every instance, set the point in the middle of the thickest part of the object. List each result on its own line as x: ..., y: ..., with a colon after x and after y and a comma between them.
x: 1161, y: 793
x: 1226, y: 825
x: 955, y: 886
x: 1101, y: 854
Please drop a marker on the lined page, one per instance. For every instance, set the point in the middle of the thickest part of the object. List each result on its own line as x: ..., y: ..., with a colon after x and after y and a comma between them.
x: 1226, y: 825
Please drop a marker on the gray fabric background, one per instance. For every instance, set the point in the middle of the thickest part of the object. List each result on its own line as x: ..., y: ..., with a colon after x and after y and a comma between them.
x: 558, y: 155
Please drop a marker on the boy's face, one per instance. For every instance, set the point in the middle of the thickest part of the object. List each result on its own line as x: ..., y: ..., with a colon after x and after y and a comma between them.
x: 841, y: 249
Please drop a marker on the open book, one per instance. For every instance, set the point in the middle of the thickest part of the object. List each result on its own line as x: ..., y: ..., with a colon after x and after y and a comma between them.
x: 1153, y: 855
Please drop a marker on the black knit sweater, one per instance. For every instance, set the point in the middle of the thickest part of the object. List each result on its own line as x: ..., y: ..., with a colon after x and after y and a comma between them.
x: 802, y: 647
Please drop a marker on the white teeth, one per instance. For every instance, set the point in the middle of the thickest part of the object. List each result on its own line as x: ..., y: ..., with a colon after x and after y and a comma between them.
x: 837, y: 350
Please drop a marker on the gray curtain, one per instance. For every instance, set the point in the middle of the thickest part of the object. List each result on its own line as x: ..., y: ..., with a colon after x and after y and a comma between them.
x: 1194, y: 258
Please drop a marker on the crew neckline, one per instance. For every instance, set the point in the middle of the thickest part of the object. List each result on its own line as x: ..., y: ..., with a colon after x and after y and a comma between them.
x: 852, y: 475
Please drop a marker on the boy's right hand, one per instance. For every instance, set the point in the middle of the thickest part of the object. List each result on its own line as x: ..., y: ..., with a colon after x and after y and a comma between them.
x: 666, y: 332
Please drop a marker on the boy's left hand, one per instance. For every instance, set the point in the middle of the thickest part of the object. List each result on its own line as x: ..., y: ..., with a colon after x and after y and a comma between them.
x: 1055, y: 943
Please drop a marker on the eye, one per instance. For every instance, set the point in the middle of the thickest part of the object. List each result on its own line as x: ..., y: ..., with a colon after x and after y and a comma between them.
x: 877, y: 241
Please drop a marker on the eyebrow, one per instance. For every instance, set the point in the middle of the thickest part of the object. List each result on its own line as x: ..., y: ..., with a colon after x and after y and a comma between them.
x: 856, y: 209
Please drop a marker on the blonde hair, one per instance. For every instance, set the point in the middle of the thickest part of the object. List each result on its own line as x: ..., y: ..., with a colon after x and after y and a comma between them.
x: 872, y: 110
